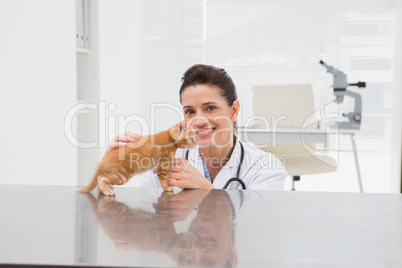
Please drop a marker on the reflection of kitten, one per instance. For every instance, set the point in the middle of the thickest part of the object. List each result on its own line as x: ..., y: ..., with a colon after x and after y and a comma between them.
x: 136, y: 229
x: 119, y: 165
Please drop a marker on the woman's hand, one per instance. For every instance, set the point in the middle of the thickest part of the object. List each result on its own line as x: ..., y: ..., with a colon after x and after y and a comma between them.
x: 183, y: 175
x: 122, y: 140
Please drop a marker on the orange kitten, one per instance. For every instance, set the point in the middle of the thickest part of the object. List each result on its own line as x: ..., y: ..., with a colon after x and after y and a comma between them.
x: 119, y: 165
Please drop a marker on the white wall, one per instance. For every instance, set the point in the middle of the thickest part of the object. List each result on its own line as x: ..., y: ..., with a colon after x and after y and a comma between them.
x: 109, y: 75
x: 37, y: 87
x: 120, y: 59
x: 42, y: 77
x: 397, y: 102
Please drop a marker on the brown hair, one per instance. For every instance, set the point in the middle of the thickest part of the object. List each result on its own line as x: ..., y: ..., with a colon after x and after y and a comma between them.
x: 201, y: 74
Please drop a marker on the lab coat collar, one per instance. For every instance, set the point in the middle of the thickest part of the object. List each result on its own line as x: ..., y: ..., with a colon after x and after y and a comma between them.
x: 195, y: 159
x: 234, y: 159
x: 229, y: 169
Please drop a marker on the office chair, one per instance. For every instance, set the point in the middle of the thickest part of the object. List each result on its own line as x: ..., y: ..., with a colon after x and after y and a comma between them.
x: 291, y: 106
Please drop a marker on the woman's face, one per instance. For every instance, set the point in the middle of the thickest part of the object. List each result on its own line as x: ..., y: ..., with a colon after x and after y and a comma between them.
x: 213, y: 117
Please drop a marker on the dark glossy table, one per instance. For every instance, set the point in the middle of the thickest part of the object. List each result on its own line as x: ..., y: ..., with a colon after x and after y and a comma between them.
x: 50, y: 225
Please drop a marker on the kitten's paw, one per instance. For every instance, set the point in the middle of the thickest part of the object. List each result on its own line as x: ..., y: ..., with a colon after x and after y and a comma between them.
x: 169, y: 189
x: 108, y: 192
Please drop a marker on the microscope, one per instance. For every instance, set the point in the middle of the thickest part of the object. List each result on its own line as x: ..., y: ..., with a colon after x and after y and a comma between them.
x: 340, y: 91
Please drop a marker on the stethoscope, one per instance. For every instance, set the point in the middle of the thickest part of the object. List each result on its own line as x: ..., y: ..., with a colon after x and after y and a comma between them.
x: 237, y: 178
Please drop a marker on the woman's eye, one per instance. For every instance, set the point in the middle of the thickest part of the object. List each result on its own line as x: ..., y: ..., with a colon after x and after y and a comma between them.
x: 188, y: 111
x: 211, y: 108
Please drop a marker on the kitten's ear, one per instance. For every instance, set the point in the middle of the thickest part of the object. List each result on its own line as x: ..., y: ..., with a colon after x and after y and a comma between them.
x: 190, y: 125
x: 182, y: 126
x: 175, y: 131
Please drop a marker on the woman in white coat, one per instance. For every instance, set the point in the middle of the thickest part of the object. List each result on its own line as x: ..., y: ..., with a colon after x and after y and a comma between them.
x: 208, y: 96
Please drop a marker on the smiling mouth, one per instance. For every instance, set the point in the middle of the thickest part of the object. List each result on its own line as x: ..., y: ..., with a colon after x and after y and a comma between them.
x: 204, y: 240
x: 204, y: 132
x: 204, y: 235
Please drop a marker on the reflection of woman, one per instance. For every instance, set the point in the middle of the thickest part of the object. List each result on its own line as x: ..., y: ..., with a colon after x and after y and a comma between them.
x: 208, y: 242
x: 214, y: 245
x: 208, y: 96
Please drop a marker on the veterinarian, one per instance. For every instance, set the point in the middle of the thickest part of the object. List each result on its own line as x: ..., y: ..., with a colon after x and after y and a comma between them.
x: 208, y: 96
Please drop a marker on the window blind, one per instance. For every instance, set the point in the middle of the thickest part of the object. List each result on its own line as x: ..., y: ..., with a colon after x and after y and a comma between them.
x: 276, y: 42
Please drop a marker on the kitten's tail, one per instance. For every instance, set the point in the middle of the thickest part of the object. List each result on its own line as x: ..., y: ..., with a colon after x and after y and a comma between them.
x: 92, y: 184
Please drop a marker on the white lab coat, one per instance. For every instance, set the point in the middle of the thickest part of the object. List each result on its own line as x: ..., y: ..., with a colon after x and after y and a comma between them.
x: 259, y: 171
